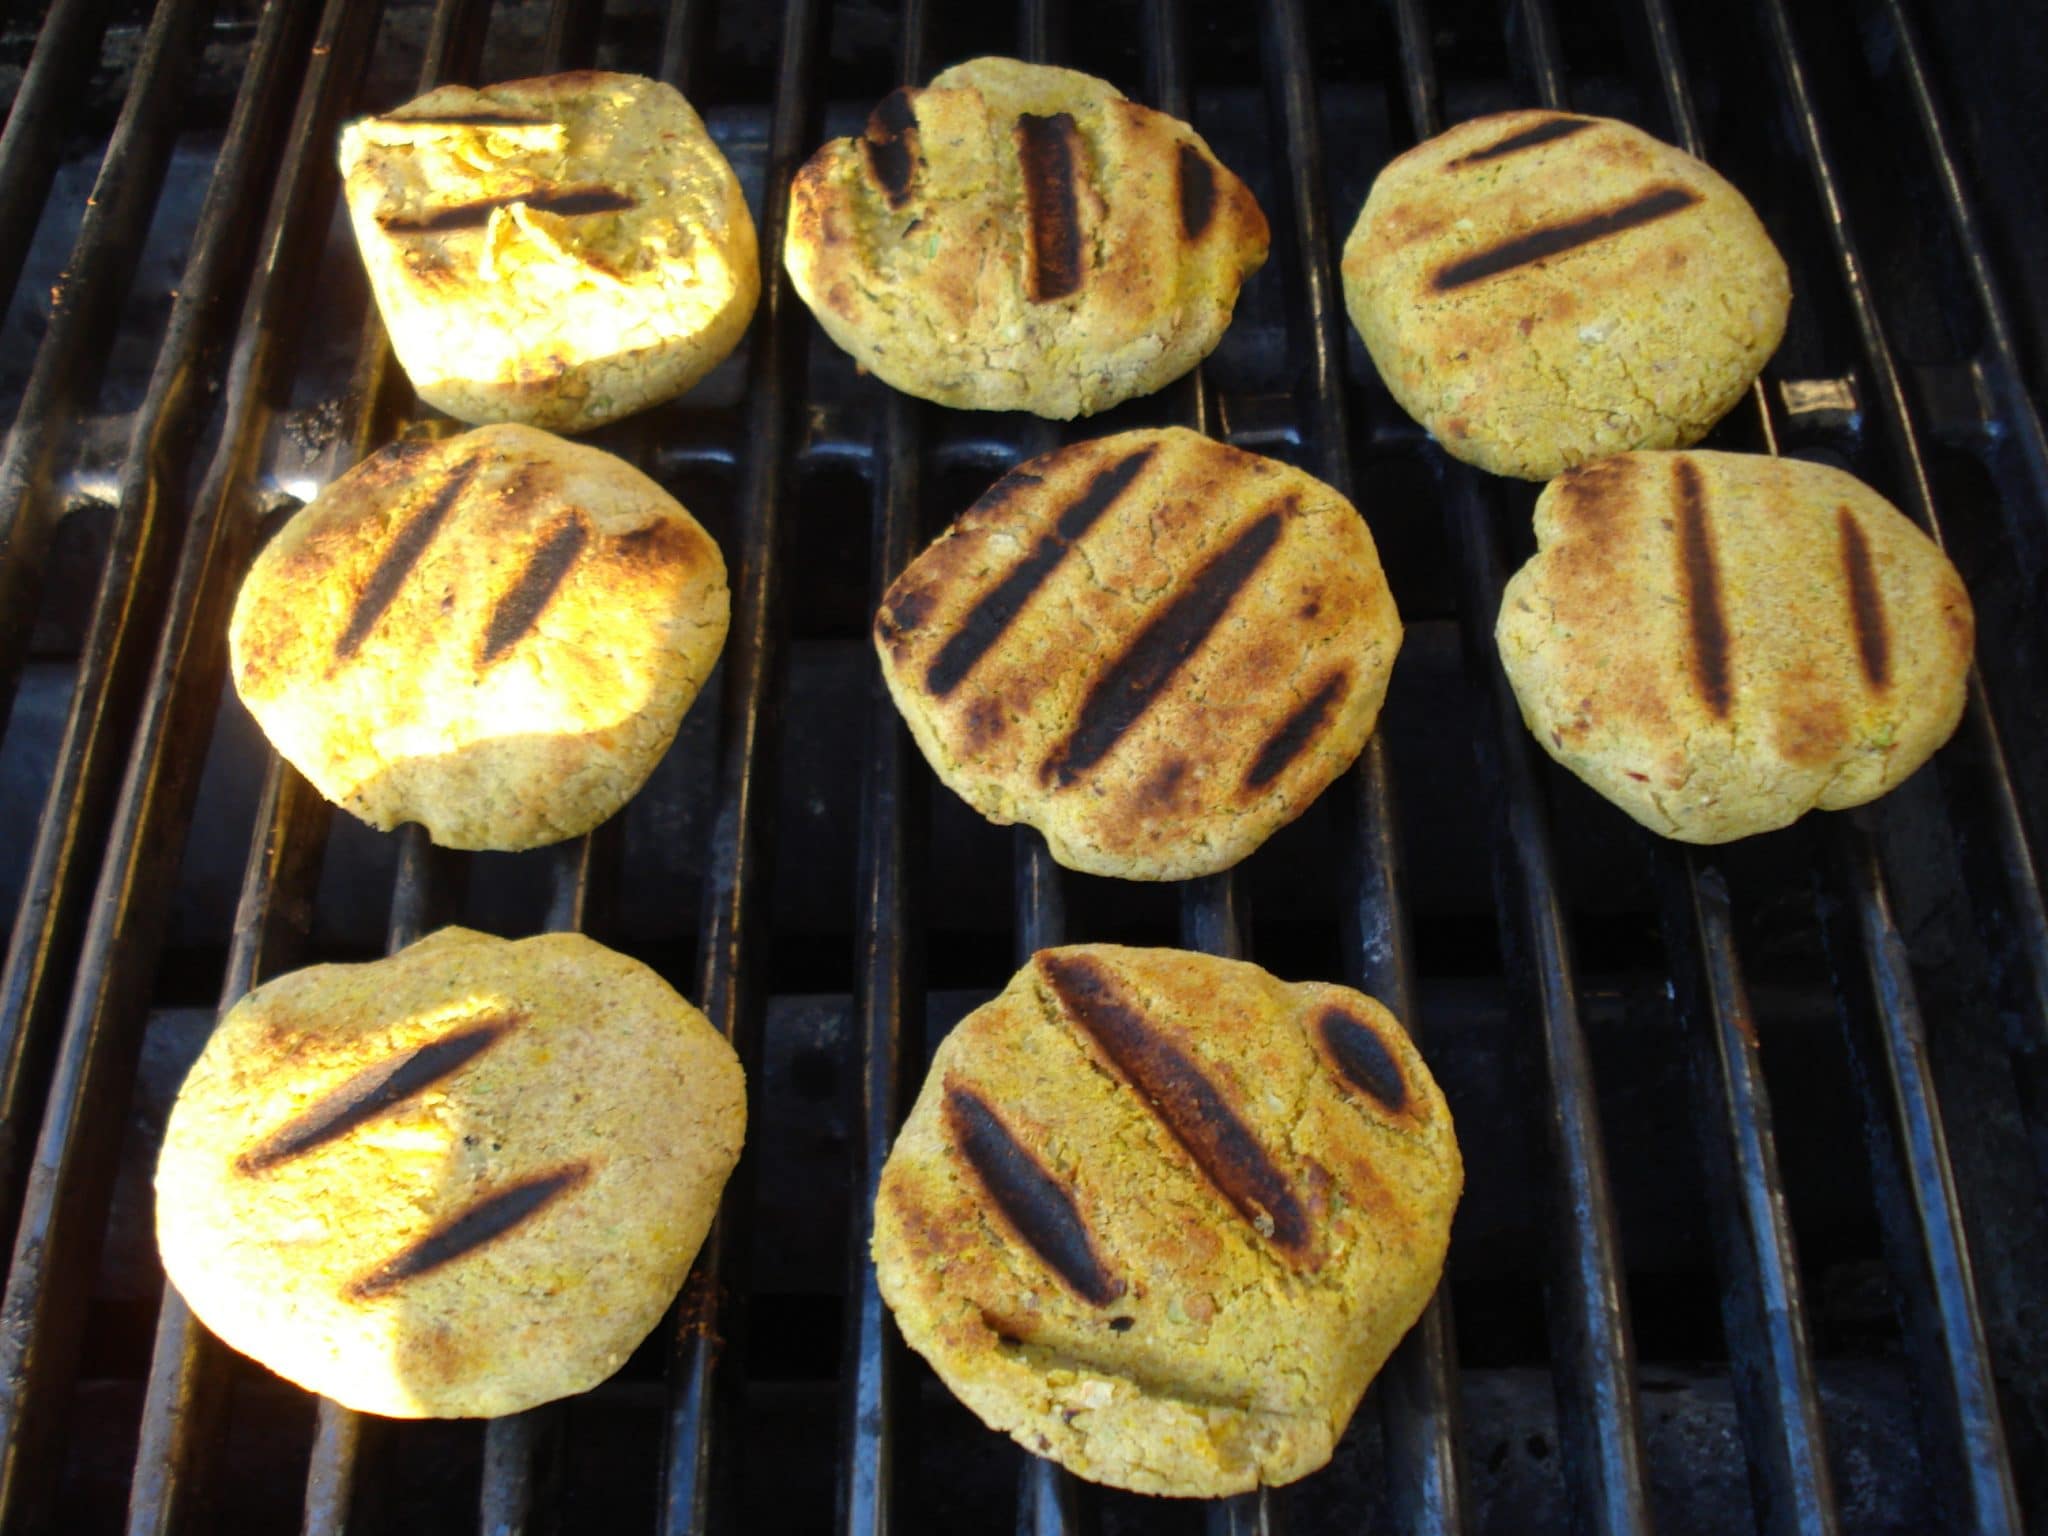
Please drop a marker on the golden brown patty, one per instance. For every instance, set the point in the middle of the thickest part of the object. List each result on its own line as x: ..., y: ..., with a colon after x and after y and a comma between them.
x: 461, y: 1181
x: 1154, y: 648
x: 1541, y: 289
x: 1161, y: 1217
x: 495, y: 635
x: 1019, y: 237
x: 559, y: 252
x: 1719, y: 642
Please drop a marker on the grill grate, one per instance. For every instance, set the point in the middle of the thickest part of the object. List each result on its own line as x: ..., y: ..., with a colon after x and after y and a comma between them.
x: 124, y: 787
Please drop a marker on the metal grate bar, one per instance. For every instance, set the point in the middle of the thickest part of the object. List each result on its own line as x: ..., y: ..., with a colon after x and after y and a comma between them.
x: 45, y: 931
x: 1418, y: 1389
x: 85, y: 308
x: 1594, y: 1367
x: 51, y: 92
x: 889, y: 999
x: 703, y: 1446
x: 60, y: 1231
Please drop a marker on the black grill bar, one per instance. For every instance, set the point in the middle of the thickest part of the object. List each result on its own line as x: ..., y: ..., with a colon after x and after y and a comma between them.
x: 73, y: 353
x: 51, y: 92
x: 1418, y: 1389
x: 60, y: 1231
x: 888, y: 981
x: 702, y: 1445
x: 67, y: 373
x: 1593, y: 1353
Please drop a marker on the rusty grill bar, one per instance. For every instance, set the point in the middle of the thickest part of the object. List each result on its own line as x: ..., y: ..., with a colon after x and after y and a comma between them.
x: 116, y: 801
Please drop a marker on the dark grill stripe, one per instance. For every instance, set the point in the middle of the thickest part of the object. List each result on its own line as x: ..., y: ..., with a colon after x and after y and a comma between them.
x: 371, y: 1092
x: 999, y: 606
x: 1295, y: 733
x: 1543, y: 133
x: 569, y: 202
x: 471, y: 120
x: 1866, y: 602
x: 1036, y: 1205
x: 1362, y: 1058
x: 403, y: 553
x: 1647, y: 208
x: 887, y: 146
x: 1048, y: 149
x: 1700, y: 579
x: 1197, y: 192
x: 528, y: 597
x: 484, y: 1222
x: 1186, y: 1102
x: 1120, y: 697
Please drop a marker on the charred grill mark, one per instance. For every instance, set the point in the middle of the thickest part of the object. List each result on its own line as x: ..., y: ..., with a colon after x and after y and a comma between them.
x: 1295, y: 733
x: 1036, y: 1205
x: 998, y: 607
x: 484, y: 1222
x: 371, y: 1092
x: 1197, y: 192
x: 528, y: 598
x: 1556, y: 239
x: 1866, y: 602
x: 1048, y: 149
x: 1363, y: 1059
x: 1700, y: 579
x: 568, y: 202
x: 403, y: 553
x: 1543, y: 133
x: 472, y: 120
x: 1186, y: 1102
x: 1122, y: 694
x: 888, y: 146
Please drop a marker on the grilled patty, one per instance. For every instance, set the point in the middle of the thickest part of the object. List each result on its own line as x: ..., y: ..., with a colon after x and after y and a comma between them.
x: 1160, y: 1216
x: 1019, y: 237
x: 456, y: 1182
x: 1540, y: 289
x: 495, y: 635
x: 1720, y: 642
x: 1155, y: 648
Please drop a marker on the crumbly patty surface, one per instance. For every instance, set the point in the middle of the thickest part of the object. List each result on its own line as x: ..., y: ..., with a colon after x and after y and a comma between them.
x: 559, y: 251
x: 1019, y: 237
x: 495, y: 634
x: 1161, y: 1217
x: 457, y: 1182
x: 1542, y: 289
x: 1155, y: 648
x: 1720, y: 642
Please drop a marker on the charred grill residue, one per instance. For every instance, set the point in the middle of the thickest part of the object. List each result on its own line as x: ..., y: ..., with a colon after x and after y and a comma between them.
x: 1295, y: 733
x: 371, y: 1092
x: 997, y: 608
x: 1556, y: 239
x: 528, y: 597
x: 1049, y: 148
x: 484, y: 1222
x: 1197, y: 192
x: 1222, y: 1148
x: 1362, y: 1058
x: 1036, y: 1205
x: 1119, y: 698
x: 1866, y: 602
x: 888, y: 146
x: 567, y: 202
x: 400, y: 556
x: 472, y: 120
x: 1543, y: 133
x: 1700, y: 580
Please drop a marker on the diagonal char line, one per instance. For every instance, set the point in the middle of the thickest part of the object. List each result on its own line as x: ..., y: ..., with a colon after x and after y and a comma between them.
x: 1700, y: 579
x: 482, y: 1223
x: 997, y: 609
x: 1296, y: 732
x: 566, y: 202
x: 528, y: 597
x: 1197, y: 193
x: 1556, y: 239
x: 377, y: 1088
x: 1543, y: 133
x: 1035, y: 1204
x: 1120, y: 697
x: 1047, y: 150
x: 1866, y: 603
x: 399, y: 558
x: 1188, y: 1105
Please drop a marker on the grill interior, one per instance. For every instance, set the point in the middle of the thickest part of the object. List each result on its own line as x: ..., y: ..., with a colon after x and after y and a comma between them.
x: 1756, y: 1138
